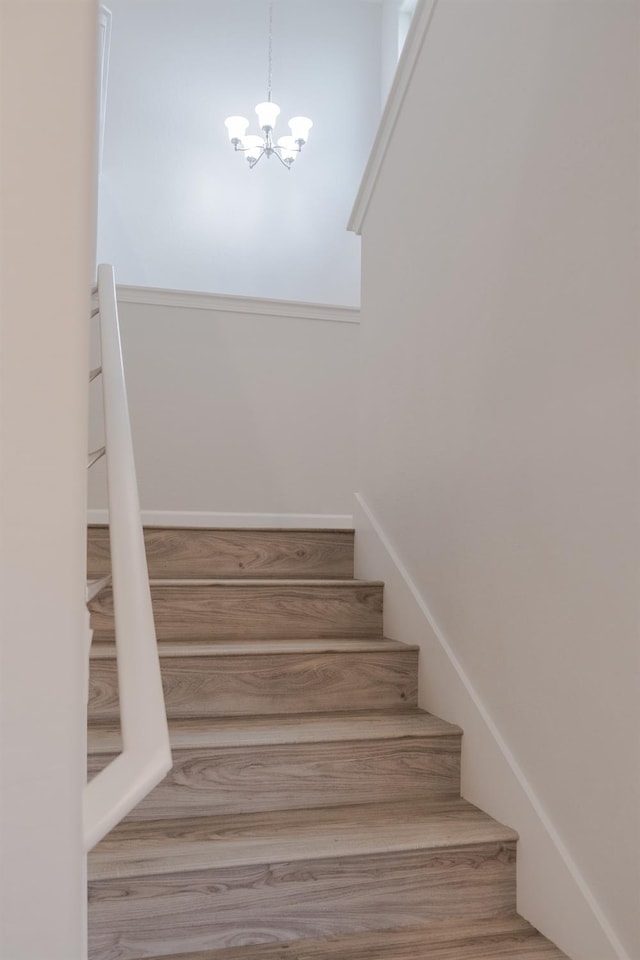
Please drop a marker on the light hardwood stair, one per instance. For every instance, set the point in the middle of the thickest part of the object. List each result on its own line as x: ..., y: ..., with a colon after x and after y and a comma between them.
x: 313, y: 811
x: 210, y: 554
x: 256, y: 609
x: 252, y: 764
x: 290, y: 874
x: 219, y: 679
x: 502, y: 938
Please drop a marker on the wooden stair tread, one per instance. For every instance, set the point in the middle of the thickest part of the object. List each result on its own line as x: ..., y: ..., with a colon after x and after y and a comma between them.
x: 151, y: 848
x: 497, y: 938
x: 103, y: 646
x: 286, y: 729
x: 297, y: 760
x: 213, y: 678
x: 270, y: 582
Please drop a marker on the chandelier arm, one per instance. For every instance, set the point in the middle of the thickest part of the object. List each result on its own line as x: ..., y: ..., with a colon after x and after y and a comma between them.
x: 252, y: 163
x: 242, y: 149
x: 283, y: 162
x: 286, y: 149
x: 275, y: 147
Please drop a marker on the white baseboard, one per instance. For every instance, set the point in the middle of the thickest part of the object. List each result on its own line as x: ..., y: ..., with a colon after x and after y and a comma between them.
x: 553, y: 893
x: 189, y: 518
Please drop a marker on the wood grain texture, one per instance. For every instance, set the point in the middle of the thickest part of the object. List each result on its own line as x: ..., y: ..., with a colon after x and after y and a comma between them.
x: 150, y: 848
x: 232, y: 906
x: 256, y: 731
x: 257, y: 609
x: 200, y: 553
x: 501, y: 938
x: 215, y: 776
x: 221, y: 882
x: 268, y: 683
x: 104, y: 646
x: 313, y: 812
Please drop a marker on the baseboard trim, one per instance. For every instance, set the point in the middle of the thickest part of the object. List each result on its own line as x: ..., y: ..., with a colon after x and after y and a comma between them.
x: 519, y: 774
x: 189, y: 518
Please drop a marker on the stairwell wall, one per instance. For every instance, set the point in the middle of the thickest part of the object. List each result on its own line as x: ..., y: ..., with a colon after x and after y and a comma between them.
x: 498, y: 436
x: 243, y: 411
x: 47, y: 184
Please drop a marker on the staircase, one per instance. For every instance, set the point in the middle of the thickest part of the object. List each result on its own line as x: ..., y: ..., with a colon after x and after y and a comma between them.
x: 313, y: 811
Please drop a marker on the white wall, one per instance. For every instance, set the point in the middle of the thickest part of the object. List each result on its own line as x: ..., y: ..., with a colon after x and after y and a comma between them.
x: 390, y: 46
x: 499, y: 417
x: 239, y: 412
x: 46, y: 195
x: 177, y: 208
x: 396, y: 20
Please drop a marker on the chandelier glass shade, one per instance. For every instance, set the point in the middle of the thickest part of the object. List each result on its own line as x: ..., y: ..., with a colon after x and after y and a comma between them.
x: 255, y: 147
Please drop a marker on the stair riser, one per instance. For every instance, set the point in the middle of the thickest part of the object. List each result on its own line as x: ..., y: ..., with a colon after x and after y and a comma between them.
x: 251, y: 779
x: 209, y: 554
x: 224, y: 686
x: 263, y: 611
x: 161, y: 915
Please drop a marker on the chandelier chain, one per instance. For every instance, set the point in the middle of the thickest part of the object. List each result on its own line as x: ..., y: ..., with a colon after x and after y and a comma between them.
x: 270, y: 50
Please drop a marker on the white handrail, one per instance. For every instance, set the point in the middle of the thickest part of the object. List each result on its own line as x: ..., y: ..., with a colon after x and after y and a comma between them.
x: 146, y: 753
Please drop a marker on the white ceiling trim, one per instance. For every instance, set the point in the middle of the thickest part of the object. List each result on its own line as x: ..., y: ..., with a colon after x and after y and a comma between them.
x: 420, y: 24
x: 247, y: 306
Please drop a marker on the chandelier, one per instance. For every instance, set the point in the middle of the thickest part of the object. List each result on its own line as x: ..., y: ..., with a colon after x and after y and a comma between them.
x: 256, y: 147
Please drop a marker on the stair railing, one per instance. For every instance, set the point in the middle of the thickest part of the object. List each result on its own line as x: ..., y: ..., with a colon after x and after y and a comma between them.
x: 146, y: 753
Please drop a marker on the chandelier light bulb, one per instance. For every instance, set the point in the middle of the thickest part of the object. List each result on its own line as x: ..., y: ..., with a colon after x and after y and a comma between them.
x: 267, y: 114
x: 288, y: 149
x: 300, y: 127
x: 237, y: 127
x: 253, y: 147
